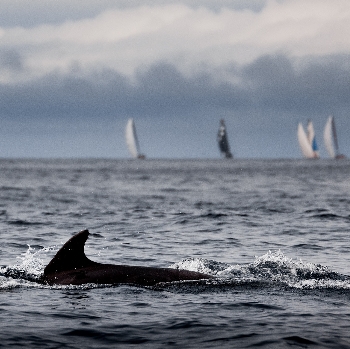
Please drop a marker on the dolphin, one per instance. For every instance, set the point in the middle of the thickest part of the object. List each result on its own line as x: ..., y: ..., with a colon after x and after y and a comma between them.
x: 70, y: 266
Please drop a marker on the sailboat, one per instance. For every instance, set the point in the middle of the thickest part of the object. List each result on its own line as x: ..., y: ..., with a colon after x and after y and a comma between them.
x: 131, y: 140
x: 223, y: 140
x: 307, y: 142
x: 331, y: 140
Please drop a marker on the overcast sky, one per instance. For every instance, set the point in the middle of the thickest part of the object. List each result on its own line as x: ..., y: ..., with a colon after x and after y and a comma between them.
x: 72, y: 73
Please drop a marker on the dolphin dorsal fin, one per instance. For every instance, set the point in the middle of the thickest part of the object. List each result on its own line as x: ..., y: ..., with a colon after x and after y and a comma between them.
x: 71, y: 256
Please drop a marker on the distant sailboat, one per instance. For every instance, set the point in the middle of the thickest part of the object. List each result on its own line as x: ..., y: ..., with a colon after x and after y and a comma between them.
x: 223, y: 141
x: 331, y: 140
x: 131, y: 140
x: 307, y: 142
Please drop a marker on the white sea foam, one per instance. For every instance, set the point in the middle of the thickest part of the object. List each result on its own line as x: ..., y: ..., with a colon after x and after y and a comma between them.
x: 200, y: 265
x: 273, y: 268
x: 28, y: 270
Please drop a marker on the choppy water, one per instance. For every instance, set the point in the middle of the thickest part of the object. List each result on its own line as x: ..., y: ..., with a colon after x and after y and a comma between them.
x: 274, y: 233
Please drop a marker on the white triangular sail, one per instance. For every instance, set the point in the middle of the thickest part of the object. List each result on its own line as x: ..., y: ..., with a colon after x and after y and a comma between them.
x: 331, y: 140
x: 131, y: 139
x: 304, y: 143
x: 328, y: 137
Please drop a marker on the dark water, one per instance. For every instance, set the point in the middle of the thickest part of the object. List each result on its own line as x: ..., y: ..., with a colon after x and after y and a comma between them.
x: 274, y: 233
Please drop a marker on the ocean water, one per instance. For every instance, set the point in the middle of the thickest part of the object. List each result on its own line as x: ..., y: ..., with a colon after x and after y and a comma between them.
x: 274, y: 233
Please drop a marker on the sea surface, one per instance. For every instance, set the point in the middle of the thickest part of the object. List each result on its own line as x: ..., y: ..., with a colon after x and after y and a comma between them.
x: 274, y: 233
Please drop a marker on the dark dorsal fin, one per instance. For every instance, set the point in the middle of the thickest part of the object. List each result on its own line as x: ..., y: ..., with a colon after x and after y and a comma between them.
x: 71, y: 256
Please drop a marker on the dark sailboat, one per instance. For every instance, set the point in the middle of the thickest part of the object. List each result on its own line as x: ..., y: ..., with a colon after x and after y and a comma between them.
x: 223, y: 141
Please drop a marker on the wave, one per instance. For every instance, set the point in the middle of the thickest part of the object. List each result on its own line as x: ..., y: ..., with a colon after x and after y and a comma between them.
x: 272, y: 269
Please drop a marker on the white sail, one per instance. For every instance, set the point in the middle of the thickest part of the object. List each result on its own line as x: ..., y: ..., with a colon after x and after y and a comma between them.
x: 328, y: 137
x: 131, y: 139
x: 304, y: 143
x: 331, y: 140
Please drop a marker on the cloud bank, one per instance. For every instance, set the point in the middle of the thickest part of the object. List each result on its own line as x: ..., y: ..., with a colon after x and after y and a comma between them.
x: 190, y: 38
x: 269, y: 82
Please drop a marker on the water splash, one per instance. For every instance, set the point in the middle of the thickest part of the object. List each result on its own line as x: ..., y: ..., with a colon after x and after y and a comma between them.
x: 201, y: 265
x: 276, y: 267
x: 27, y: 271
x: 272, y: 268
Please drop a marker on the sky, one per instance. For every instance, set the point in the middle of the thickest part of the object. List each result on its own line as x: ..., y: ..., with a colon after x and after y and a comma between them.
x: 73, y: 72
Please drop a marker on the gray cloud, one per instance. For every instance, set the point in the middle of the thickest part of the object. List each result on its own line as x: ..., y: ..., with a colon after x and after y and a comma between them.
x: 11, y: 60
x: 318, y: 86
x: 37, y: 12
x: 269, y: 83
